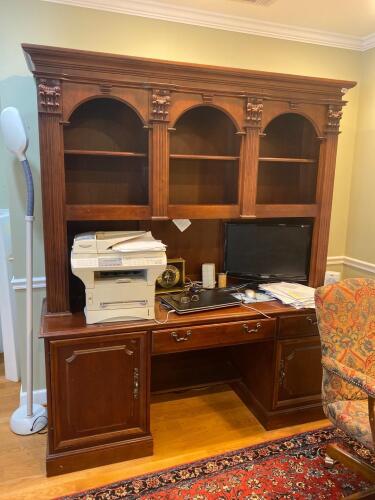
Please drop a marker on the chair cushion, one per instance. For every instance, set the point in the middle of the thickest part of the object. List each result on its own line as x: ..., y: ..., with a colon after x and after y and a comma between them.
x: 352, y: 417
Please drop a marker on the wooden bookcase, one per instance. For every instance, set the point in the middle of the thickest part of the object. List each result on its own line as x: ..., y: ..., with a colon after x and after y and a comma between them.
x: 129, y: 143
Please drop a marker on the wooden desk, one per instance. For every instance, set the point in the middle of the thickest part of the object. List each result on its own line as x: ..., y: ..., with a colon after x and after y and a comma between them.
x: 100, y: 377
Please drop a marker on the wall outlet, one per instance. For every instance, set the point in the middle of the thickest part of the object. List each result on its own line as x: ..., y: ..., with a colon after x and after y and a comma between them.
x: 332, y: 277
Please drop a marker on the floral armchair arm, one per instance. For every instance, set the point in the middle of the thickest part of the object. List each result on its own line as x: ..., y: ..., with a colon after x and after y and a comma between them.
x: 351, y: 375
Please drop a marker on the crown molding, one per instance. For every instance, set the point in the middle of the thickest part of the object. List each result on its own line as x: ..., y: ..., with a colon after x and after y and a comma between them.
x: 176, y: 13
x: 368, y: 42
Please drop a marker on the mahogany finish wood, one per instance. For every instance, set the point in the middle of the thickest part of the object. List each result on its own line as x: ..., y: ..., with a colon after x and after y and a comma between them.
x: 196, y: 337
x: 183, y: 111
x: 298, y: 372
x: 130, y: 143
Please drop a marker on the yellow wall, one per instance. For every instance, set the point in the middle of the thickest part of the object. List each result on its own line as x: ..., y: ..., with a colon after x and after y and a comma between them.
x: 34, y: 21
x: 361, y: 224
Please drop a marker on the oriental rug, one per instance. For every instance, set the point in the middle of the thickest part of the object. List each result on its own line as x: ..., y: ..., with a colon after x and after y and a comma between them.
x: 291, y: 468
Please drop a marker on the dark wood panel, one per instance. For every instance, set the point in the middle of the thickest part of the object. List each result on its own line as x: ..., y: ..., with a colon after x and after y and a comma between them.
x: 87, y: 458
x: 203, y: 211
x: 288, y: 183
x: 196, y: 337
x: 53, y: 197
x: 203, y: 182
x: 106, y: 212
x: 106, y: 180
x: 277, y: 211
x: 255, y: 363
x: 298, y: 372
x: 205, y: 130
x: 192, y: 369
x: 184, y: 244
x: 298, y: 325
x: 107, y: 124
x: 100, y: 390
x: 289, y: 135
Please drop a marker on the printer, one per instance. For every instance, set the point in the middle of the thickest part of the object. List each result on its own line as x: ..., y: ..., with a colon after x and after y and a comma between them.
x: 119, y: 270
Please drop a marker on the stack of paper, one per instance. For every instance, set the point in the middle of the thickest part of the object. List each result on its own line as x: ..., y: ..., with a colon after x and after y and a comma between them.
x: 292, y: 294
x: 143, y: 242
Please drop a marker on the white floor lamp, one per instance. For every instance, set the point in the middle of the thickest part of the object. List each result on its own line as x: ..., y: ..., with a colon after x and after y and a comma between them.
x: 29, y: 418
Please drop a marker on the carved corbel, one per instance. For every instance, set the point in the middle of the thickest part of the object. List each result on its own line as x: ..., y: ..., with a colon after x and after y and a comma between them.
x: 254, y: 111
x: 160, y: 102
x: 333, y: 118
x: 49, y: 94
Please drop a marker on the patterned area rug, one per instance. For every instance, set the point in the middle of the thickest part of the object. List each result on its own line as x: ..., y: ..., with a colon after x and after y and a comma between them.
x: 291, y: 468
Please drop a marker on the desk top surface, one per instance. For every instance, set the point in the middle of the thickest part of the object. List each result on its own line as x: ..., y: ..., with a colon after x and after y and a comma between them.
x: 72, y: 325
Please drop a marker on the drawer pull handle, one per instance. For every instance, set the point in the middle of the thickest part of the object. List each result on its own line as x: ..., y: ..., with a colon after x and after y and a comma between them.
x: 135, y: 383
x: 182, y: 338
x: 312, y: 320
x: 252, y: 330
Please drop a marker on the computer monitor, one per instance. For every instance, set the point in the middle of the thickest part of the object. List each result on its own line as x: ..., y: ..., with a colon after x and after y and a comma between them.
x: 268, y: 249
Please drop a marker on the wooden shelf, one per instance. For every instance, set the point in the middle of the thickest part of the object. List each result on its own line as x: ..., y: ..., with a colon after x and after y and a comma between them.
x: 203, y: 211
x: 89, y: 152
x: 107, y: 212
x: 287, y: 160
x: 202, y: 157
x: 286, y: 210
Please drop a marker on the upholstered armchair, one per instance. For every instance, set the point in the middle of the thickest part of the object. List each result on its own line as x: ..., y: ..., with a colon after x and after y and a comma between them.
x: 346, y: 320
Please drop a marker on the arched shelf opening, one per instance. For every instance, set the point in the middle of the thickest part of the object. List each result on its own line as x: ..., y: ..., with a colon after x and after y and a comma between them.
x: 105, y: 124
x: 105, y: 146
x: 288, y: 161
x: 205, y: 130
x: 204, y: 158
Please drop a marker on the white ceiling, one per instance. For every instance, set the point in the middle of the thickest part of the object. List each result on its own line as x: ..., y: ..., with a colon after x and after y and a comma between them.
x: 340, y: 23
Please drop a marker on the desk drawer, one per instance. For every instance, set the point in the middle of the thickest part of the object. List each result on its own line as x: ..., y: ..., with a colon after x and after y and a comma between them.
x: 298, y: 325
x: 220, y: 334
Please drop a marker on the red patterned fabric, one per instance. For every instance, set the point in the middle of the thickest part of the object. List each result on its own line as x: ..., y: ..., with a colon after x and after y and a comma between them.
x: 290, y: 469
x: 346, y: 319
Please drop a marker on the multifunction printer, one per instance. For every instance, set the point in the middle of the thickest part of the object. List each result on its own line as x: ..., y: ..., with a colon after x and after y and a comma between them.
x: 119, y: 270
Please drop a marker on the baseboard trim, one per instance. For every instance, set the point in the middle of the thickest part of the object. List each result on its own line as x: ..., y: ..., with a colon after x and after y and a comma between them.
x: 39, y: 397
x: 352, y: 262
x: 20, y: 283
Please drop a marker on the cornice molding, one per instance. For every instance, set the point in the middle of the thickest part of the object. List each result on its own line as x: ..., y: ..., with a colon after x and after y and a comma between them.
x: 368, y: 42
x: 199, y: 17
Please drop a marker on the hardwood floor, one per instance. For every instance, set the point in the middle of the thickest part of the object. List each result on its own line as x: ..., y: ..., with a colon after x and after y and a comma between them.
x: 185, y: 427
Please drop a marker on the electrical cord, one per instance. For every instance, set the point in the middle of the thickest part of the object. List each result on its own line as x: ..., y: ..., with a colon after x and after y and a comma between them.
x: 164, y: 321
x: 252, y: 308
x: 35, y: 421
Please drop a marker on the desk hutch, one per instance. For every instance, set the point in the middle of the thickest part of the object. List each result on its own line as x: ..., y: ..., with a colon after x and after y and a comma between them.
x: 130, y: 143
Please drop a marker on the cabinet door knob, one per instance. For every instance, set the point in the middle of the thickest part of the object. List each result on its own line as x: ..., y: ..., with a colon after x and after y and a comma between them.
x: 246, y: 328
x: 312, y: 320
x: 182, y: 338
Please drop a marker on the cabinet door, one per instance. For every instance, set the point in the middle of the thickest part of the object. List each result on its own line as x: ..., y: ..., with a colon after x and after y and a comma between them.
x: 298, y: 372
x: 99, y: 390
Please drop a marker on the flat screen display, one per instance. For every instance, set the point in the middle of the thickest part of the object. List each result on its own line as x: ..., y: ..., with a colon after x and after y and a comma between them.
x: 279, y: 250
